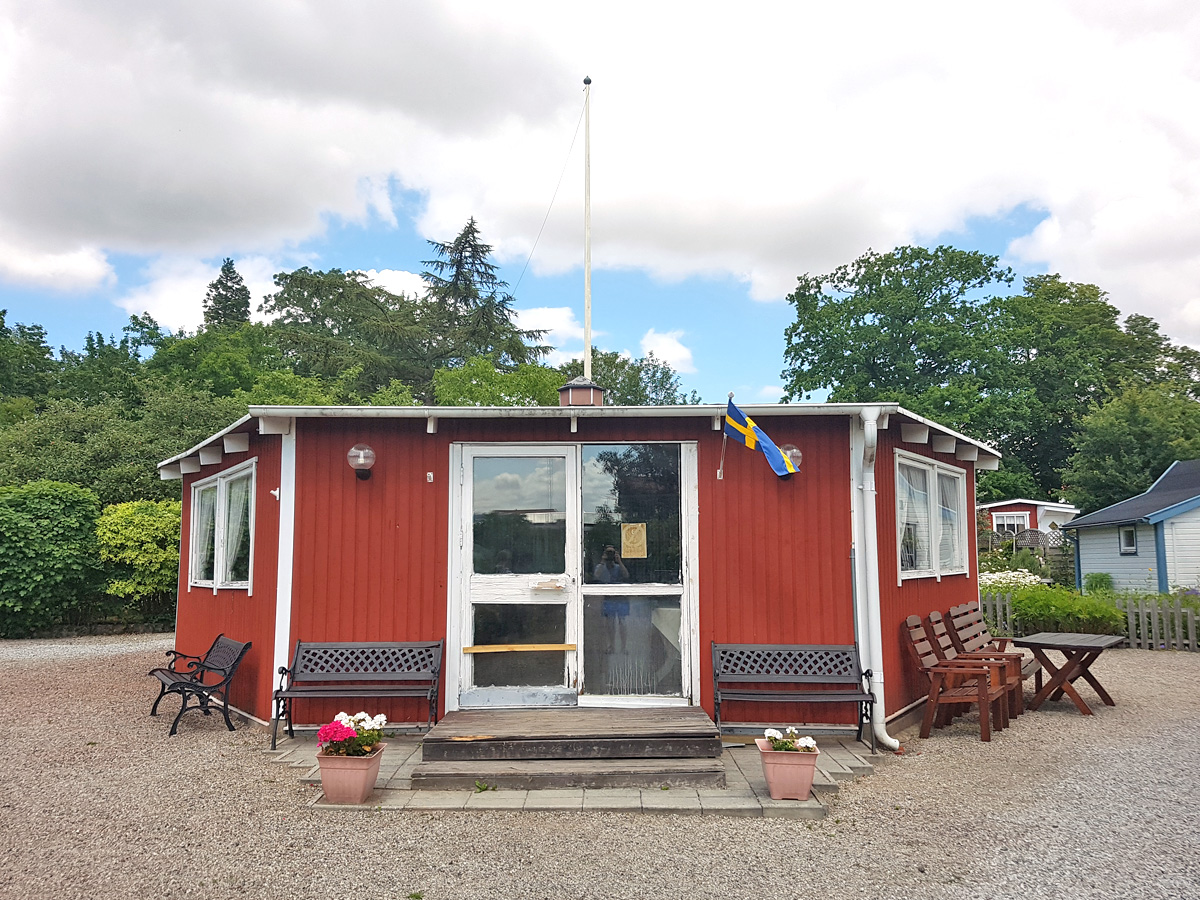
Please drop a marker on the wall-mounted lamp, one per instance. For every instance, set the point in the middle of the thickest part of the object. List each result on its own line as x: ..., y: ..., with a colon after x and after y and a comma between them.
x: 361, y: 458
x: 792, y: 452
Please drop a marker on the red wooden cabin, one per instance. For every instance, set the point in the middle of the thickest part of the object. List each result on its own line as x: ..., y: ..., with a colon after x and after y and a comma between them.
x: 611, y: 537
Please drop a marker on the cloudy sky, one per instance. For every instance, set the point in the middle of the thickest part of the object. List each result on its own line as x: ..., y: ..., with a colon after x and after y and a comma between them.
x: 733, y: 148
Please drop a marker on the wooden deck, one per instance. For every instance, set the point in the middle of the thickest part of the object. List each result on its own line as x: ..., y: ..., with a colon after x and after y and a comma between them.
x: 570, y: 748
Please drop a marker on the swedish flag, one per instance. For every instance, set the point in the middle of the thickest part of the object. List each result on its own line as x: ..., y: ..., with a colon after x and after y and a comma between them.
x: 741, y: 427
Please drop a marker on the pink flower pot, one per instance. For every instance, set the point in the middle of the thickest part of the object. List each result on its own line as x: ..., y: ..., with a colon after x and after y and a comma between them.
x: 789, y: 773
x: 350, y: 779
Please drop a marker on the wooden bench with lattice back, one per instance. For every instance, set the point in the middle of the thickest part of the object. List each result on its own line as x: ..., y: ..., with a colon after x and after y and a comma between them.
x: 346, y: 669
x: 792, y: 673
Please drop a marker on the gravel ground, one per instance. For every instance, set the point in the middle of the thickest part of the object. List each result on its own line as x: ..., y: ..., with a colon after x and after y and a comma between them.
x: 99, y: 802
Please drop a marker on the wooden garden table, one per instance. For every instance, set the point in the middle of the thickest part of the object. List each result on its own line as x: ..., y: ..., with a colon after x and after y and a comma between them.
x: 1080, y: 650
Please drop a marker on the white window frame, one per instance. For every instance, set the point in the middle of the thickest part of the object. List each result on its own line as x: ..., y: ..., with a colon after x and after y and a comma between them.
x: 1020, y: 519
x: 220, y: 513
x: 1124, y: 549
x: 933, y: 469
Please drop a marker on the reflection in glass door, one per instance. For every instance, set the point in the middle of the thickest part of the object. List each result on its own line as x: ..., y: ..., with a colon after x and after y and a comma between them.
x: 521, y: 553
x: 632, y: 641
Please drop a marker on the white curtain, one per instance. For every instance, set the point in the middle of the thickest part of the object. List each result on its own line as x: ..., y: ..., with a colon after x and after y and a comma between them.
x: 237, y: 526
x: 204, y: 518
x: 950, y: 549
x: 912, y: 512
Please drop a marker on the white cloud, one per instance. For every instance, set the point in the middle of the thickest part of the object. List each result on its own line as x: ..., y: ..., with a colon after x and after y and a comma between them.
x: 70, y: 270
x: 771, y: 393
x: 397, y: 281
x: 719, y: 146
x: 175, y: 286
x: 669, y: 349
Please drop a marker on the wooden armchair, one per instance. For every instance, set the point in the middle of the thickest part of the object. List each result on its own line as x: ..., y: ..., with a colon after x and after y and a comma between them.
x: 969, y: 633
x: 956, y: 683
x: 943, y: 646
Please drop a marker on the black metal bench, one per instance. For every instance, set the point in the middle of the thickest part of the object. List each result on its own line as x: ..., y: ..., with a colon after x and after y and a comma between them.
x: 346, y: 669
x: 792, y: 673
x: 201, y: 678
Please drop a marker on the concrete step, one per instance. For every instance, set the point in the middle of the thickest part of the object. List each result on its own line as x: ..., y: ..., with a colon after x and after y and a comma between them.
x: 544, y: 774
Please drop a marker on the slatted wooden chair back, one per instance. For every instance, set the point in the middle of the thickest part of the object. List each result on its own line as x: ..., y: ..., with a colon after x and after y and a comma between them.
x: 969, y: 630
x: 919, y: 644
x: 939, y: 637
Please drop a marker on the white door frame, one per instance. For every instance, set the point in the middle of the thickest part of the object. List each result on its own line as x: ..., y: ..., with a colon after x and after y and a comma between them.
x: 458, y: 564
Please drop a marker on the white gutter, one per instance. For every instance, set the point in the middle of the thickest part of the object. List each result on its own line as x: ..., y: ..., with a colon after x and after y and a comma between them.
x: 873, y: 638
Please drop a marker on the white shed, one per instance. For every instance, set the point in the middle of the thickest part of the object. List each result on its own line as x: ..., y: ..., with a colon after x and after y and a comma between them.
x: 1150, y: 542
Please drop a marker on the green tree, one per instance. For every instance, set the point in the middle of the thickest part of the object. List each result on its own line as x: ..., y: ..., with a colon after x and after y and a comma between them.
x: 920, y: 327
x: 139, y: 542
x: 227, y: 303
x: 632, y: 382
x: 49, y: 563
x: 468, y: 311
x: 328, y: 322
x: 110, y: 446
x: 913, y: 325
x: 1124, y: 445
x: 27, y: 365
x: 220, y: 361
x: 479, y: 383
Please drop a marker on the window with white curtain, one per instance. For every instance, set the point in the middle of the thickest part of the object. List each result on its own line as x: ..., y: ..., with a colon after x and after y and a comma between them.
x: 931, y: 520
x: 222, y: 529
x: 1010, y: 522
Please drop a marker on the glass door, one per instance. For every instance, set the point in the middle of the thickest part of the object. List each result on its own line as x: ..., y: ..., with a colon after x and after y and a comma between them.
x: 633, y: 573
x: 520, y: 540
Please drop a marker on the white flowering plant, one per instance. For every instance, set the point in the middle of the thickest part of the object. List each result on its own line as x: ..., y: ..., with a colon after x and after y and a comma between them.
x: 355, y: 735
x: 1013, y: 579
x: 790, y: 740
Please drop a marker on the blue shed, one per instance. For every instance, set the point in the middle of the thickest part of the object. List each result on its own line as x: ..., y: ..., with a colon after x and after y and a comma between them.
x: 1150, y: 542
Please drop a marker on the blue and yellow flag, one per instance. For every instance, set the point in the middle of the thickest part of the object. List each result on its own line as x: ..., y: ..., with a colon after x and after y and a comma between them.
x: 741, y: 427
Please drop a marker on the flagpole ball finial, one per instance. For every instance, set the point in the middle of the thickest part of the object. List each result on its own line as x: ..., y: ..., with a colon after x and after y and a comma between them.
x: 587, y: 79
x: 731, y: 395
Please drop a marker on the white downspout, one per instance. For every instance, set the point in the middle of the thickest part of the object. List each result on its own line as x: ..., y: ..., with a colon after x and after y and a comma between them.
x: 874, y: 632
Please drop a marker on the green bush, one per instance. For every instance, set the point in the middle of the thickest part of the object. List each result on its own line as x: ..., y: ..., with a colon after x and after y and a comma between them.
x: 1097, y: 582
x: 49, y: 562
x: 1060, y: 609
x: 139, y: 541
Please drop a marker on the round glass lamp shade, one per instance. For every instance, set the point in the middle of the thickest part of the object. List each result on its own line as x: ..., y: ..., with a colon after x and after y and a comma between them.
x: 361, y: 458
x: 792, y: 452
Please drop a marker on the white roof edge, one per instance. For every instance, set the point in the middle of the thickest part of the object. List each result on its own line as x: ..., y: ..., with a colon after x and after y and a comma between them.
x: 706, y: 410
x: 986, y: 448
x: 552, y: 412
x: 1048, y: 504
x: 208, y: 440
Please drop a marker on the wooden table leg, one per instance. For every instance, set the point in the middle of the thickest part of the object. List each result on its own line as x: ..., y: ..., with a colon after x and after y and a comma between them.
x: 1087, y: 676
x: 1051, y: 684
x: 1071, y: 670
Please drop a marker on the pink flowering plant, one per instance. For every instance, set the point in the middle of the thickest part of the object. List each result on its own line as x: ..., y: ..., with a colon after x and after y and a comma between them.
x: 790, y: 741
x: 351, y: 735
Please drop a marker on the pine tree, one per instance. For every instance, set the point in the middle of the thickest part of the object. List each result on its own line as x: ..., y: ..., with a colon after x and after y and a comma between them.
x: 227, y: 303
x: 470, y: 311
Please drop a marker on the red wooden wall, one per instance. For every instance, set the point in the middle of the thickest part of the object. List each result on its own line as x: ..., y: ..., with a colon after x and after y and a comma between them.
x: 902, y: 683
x: 1016, y: 508
x: 372, y: 556
x: 203, y: 614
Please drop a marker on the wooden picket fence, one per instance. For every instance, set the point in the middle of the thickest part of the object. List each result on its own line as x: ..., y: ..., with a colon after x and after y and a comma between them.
x: 1157, y: 622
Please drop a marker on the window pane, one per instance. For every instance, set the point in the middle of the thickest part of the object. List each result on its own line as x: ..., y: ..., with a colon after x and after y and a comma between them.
x: 511, y: 623
x: 520, y: 515
x: 204, y: 520
x: 236, y: 566
x: 950, y: 544
x: 631, y: 645
x: 912, y: 501
x: 636, y: 486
